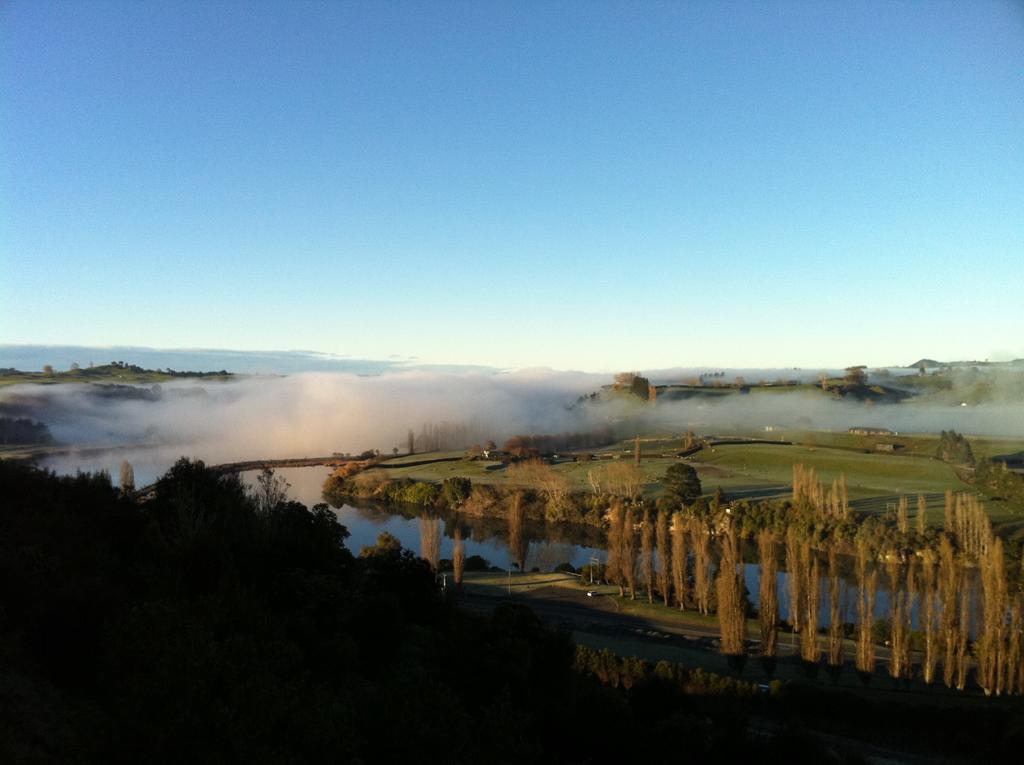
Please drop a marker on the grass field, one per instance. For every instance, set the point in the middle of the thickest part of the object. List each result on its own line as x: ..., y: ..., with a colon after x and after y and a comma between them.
x: 105, y: 375
x: 866, y: 474
x: 760, y: 471
x: 738, y: 470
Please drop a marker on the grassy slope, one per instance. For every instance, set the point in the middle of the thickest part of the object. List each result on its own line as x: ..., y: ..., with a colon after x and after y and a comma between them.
x: 734, y: 469
x: 763, y: 470
x: 103, y: 375
x: 866, y: 474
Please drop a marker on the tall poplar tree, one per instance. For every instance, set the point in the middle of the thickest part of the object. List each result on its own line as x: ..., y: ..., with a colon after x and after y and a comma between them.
x: 613, y: 567
x: 929, y: 618
x: 867, y: 588
x: 664, y: 556
x: 768, y: 613
x: 836, y: 599
x: 731, y: 613
x: 647, y: 554
x: 517, y: 542
x: 680, y: 578
x: 458, y: 557
x: 700, y: 540
x: 795, y: 578
x: 629, y: 552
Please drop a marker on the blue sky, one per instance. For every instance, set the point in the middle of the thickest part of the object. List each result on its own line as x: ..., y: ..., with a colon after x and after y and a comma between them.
x: 578, y: 185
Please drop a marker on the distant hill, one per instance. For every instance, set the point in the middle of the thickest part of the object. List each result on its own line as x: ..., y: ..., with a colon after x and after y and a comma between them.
x: 117, y: 372
x: 933, y: 364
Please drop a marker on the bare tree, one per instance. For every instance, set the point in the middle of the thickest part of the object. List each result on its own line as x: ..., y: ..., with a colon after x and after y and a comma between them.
x: 1015, y: 650
x: 836, y: 601
x: 963, y: 637
x: 902, y: 517
x: 809, y: 648
x: 990, y: 645
x: 625, y: 479
x: 867, y: 587
x: 689, y: 439
x: 537, y: 473
x: 458, y: 557
x: 664, y: 556
x: 430, y: 541
x: 839, y: 499
x: 795, y: 577
x: 517, y: 543
x: 950, y: 580
x: 700, y: 541
x: 629, y: 552
x: 973, y: 527
x: 270, y: 491
x: 731, y: 614
x: 636, y: 451
x: 922, y: 514
x: 647, y: 554
x: 768, y: 613
x: 127, y: 477
x: 807, y: 490
x: 613, y: 566
x: 898, y: 636
x: 679, y: 556
x: 929, y: 617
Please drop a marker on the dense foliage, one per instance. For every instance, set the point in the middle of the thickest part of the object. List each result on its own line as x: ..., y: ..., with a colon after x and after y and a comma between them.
x: 211, y: 625
x: 23, y: 430
x: 681, y: 483
x: 999, y: 482
x: 205, y: 627
x: 954, y: 448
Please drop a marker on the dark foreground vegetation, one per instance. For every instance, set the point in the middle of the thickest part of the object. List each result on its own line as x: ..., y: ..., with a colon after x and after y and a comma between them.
x: 215, y: 625
x: 23, y: 430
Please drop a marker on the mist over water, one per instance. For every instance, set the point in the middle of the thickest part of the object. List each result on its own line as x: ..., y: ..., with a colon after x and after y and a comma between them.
x: 314, y: 414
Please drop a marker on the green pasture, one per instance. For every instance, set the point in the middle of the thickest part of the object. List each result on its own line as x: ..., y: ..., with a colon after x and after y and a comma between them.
x: 485, y: 472
x: 911, y: 444
x: 760, y: 471
x: 866, y: 474
x: 475, y: 470
x: 739, y: 470
x: 104, y: 376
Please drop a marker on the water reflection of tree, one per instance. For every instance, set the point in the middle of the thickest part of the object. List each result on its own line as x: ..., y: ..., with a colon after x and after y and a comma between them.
x: 430, y: 541
x: 543, y: 542
x: 548, y: 556
x: 518, y: 545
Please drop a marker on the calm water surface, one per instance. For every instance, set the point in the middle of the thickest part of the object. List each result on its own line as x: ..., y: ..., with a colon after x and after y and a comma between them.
x: 549, y: 545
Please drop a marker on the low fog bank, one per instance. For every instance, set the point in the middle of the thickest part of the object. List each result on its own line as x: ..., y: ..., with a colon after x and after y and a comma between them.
x: 811, y: 410
x: 322, y: 413
x: 301, y: 415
